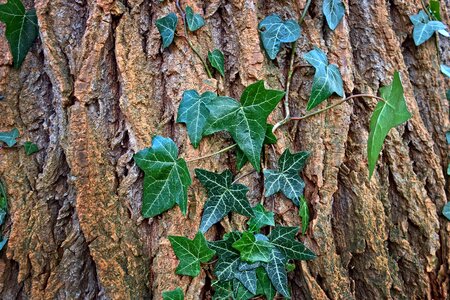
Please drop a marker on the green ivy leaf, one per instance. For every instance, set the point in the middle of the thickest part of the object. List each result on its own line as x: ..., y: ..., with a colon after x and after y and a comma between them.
x: 446, y: 210
x: 284, y: 239
x: 30, y: 148
x: 166, y: 177
x: 194, y: 112
x: 223, y: 197
x: 166, y: 27
x: 191, y: 253
x: 248, y: 280
x: 445, y: 70
x: 424, y: 28
x: 194, y: 21
x: 21, y: 29
x: 224, y: 248
x: 253, y: 248
x: 276, y: 271
x: 435, y: 9
x: 3, y: 203
x: 286, y: 179
x: 387, y: 114
x: 245, y: 121
x: 240, y: 292
x: 261, y: 218
x: 334, y: 11
x: 327, y: 79
x: 176, y: 294
x: 223, y: 290
x: 303, y: 212
x: 217, y: 61
x: 3, y: 242
x: 9, y: 137
x: 265, y: 286
x: 274, y: 32
x: 227, y: 267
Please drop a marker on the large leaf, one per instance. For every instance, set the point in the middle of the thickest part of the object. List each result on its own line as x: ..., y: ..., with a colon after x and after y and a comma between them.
x: 424, y: 28
x: 245, y: 121
x: 176, y: 294
x: 217, y: 61
x: 387, y: 114
x: 303, y: 212
x: 446, y: 210
x: 194, y: 21
x: 276, y: 271
x: 226, y: 267
x: 274, y: 32
x: 223, y: 197
x: 284, y: 239
x: 166, y: 27
x: 191, y: 253
x: 262, y: 218
x: 286, y: 179
x: 253, y: 249
x: 194, y: 112
x: 21, y: 29
x: 9, y: 137
x: 334, y: 11
x: 327, y: 79
x: 166, y: 177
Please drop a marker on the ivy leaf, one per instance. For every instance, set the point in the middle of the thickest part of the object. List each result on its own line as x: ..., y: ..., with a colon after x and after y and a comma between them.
x: 253, y: 249
x: 334, y: 11
x: 327, y: 79
x: 194, y: 21
x: 303, y: 212
x: 9, y: 137
x: 21, y: 29
x: 274, y: 32
x: 248, y: 280
x: 435, y: 9
x: 166, y: 177
x: 191, y: 253
x: 166, y: 27
x: 226, y: 267
x: 265, y: 286
x: 3, y: 203
x: 223, y: 290
x: 446, y: 210
x: 424, y: 28
x: 387, y: 114
x: 246, y: 121
x: 225, y: 247
x: 286, y: 179
x: 445, y: 70
x: 223, y: 197
x: 194, y: 112
x: 276, y: 271
x: 284, y: 239
x: 3, y: 242
x: 30, y: 148
x: 261, y: 218
x: 176, y: 294
x: 217, y: 61
x: 244, y: 266
x: 240, y: 292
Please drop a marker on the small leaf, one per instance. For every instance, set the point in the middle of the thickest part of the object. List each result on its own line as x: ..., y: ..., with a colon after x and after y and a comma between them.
x: 303, y: 212
x: 191, y: 253
x: 166, y: 27
x: 284, y: 239
x: 217, y: 61
x: 21, y: 29
x: 261, y: 218
x: 30, y: 148
x: 9, y: 137
x: 387, y: 114
x: 290, y: 267
x: 334, y: 11
x: 446, y: 210
x: 3, y: 241
x: 176, y: 294
x: 276, y: 271
x: 424, y: 28
x: 194, y: 21
x: 265, y: 286
x: 445, y: 70
x: 286, y: 179
x: 327, y: 79
x: 253, y: 249
x: 274, y: 32
x: 166, y: 177
x: 435, y: 9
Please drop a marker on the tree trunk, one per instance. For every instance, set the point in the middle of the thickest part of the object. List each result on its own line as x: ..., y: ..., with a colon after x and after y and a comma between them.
x: 97, y: 86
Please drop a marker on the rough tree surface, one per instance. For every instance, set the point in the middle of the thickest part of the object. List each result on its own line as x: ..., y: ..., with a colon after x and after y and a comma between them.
x: 97, y: 86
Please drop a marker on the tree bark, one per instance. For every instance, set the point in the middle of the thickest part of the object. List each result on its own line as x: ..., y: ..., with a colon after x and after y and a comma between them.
x: 97, y: 86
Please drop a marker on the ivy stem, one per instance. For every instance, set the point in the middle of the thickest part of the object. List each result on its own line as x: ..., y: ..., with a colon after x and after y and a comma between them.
x: 186, y: 35
x: 212, y: 154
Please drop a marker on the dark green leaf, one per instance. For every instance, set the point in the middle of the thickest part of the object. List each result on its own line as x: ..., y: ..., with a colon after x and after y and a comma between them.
x: 194, y: 21
x: 3, y: 241
x: 217, y: 61
x: 21, y: 29
x: 248, y: 280
x: 435, y: 9
x: 445, y: 70
x: 261, y: 218
x: 223, y: 290
x: 334, y: 11
x: 3, y: 208
x: 246, y: 121
x: 286, y: 179
x: 274, y: 32
x: 225, y: 247
x: 9, y: 137
x: 240, y: 292
x: 387, y: 114
x: 276, y: 271
x: 166, y: 177
x: 327, y: 79
x: 166, y: 27
x: 303, y: 212
x: 30, y: 148
x: 191, y: 253
x: 245, y: 266
x: 446, y: 210
x: 176, y: 294
x: 284, y: 239
x: 265, y: 286
x: 424, y: 28
x: 253, y: 249
x: 227, y: 267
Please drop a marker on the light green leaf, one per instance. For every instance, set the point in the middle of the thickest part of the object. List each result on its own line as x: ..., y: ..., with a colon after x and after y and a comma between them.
x: 424, y: 28
x: 223, y: 197
x: 265, y: 286
x: 303, y: 212
x: 30, y: 148
x: 176, y: 294
x: 274, y: 32
x: 191, y: 253
x: 261, y: 218
x: 334, y: 11
x: 245, y: 121
x: 435, y: 9
x: 290, y: 267
x: 387, y: 114
x: 253, y: 249
x: 327, y: 79
x: 166, y: 27
x: 446, y: 210
x: 166, y: 177
x: 9, y: 137
x: 21, y: 29
x: 217, y: 61
x: 284, y: 239
x: 445, y: 70
x: 286, y: 179
x: 276, y: 271
x: 194, y: 21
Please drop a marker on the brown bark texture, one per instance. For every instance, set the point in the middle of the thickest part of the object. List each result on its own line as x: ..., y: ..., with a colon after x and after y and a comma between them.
x: 97, y: 86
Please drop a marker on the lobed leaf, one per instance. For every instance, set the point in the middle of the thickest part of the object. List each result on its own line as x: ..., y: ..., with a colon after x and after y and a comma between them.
x: 252, y: 249
x: 9, y: 137
x: 166, y: 27
x: 284, y: 239
x: 194, y: 21
x: 424, y: 28
x: 276, y: 271
x: 262, y: 218
x: 334, y: 11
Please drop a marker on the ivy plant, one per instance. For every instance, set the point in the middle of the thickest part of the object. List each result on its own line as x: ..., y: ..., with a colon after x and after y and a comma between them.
x: 30, y: 148
x: 424, y: 27
x: 217, y: 61
x: 176, y: 294
x: 194, y: 21
x: 9, y: 137
x: 166, y: 27
x: 334, y: 11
